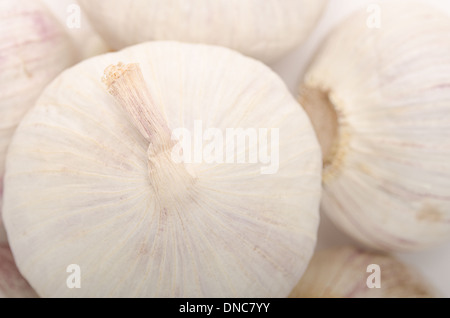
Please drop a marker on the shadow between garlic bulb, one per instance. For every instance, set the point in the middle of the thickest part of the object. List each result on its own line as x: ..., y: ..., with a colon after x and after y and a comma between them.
x: 12, y: 284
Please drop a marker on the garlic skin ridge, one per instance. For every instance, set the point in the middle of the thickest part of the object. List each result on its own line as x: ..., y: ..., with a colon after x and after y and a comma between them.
x: 232, y: 232
x: 341, y: 272
x: 34, y: 48
x: 387, y: 175
x: 265, y: 30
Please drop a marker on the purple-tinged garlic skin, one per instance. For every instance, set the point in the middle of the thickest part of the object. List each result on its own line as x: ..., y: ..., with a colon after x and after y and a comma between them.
x: 383, y: 96
x: 34, y: 49
x: 342, y: 273
x: 12, y: 283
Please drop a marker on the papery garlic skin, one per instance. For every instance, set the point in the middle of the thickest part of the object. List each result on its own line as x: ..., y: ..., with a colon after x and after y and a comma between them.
x: 265, y: 30
x: 387, y: 173
x: 342, y: 273
x: 34, y: 48
x: 12, y: 284
x: 78, y: 189
x: 85, y: 38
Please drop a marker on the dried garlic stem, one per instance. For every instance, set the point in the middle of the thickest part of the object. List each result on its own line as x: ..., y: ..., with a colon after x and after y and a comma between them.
x: 326, y: 123
x: 126, y: 83
x: 171, y: 181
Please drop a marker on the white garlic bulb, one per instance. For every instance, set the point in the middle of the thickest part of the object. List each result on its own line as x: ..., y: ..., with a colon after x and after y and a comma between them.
x: 12, y: 283
x: 346, y: 272
x: 265, y: 30
x: 34, y: 48
x: 379, y: 99
x: 91, y: 180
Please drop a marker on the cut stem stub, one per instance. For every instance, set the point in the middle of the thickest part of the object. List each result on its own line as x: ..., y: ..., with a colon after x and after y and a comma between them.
x: 126, y: 83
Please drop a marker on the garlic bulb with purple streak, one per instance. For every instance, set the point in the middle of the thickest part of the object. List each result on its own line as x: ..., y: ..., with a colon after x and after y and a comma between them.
x: 34, y: 48
x: 90, y: 179
x: 380, y: 102
x: 265, y: 30
x: 343, y: 273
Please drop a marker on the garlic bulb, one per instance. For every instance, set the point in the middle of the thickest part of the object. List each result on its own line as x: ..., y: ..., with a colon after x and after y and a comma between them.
x: 12, y: 284
x: 91, y: 179
x: 265, y: 30
x: 346, y: 272
x: 380, y: 102
x: 34, y: 48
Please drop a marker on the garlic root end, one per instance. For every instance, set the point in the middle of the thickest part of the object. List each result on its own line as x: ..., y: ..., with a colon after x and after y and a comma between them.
x: 327, y: 123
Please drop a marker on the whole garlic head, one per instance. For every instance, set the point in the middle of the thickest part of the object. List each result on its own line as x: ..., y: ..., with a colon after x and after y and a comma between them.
x: 343, y: 273
x: 12, y: 283
x: 379, y: 99
x: 34, y: 48
x: 90, y: 179
x: 265, y: 30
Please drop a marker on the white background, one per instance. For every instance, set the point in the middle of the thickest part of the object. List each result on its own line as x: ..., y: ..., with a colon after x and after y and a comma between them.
x: 434, y: 263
